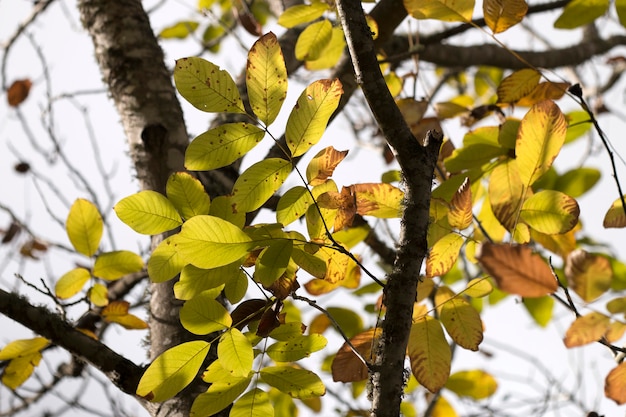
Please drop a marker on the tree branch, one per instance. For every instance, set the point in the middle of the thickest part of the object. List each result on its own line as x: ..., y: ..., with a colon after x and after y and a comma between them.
x: 417, y: 163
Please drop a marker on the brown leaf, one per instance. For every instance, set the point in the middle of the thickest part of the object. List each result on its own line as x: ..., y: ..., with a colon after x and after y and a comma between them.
x: 517, y: 269
x: 248, y: 311
x: 18, y: 92
x: 544, y: 91
x: 588, y: 275
x: 346, y: 366
x: 14, y: 230
x: 323, y: 165
x: 269, y: 320
x: 586, y: 329
x: 460, y: 214
x: 615, y: 384
x: 344, y: 202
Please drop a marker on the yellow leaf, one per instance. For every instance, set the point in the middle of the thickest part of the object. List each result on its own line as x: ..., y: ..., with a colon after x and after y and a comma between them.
x: 443, y: 254
x: 378, y: 200
x: 194, y: 281
x: 297, y: 383
x: 588, y: 275
x: 179, y: 30
x: 71, y: 283
x: 99, y: 295
x: 23, y: 347
x: 615, y: 332
x: 615, y: 217
x: 173, y: 370
x: 620, y: 8
x: 235, y: 353
x: 19, y: 369
x: 475, y: 384
x: 117, y: 312
x: 203, y: 315
x: 615, y: 384
x: 331, y: 54
x: 586, y: 329
x: 258, y: 183
x: 255, y: 403
x: 544, y: 91
x: 517, y: 85
x: 517, y: 269
x: 461, y: 320
x: 429, y: 353
x: 346, y: 366
x: 550, y: 212
x: 266, y: 78
x: 561, y: 244
x: 540, y: 138
x: 165, y: 262
x: 310, y: 115
x: 540, y: 309
x: 187, y: 194
x: 502, y: 14
x: 313, y: 40
x: 84, y: 227
x: 114, y: 265
x: 581, y: 12
x: 323, y: 165
x: 443, y: 408
x: 460, y: 214
x: 478, y: 288
x: 446, y: 10
x: 302, y: 13
x: 221, y: 394
x: 148, y: 212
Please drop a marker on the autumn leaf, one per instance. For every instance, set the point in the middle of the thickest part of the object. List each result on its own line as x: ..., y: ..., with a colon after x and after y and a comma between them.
x: 544, y: 91
x: 615, y: 217
x: 323, y: 165
x: 615, y: 384
x: 346, y: 366
x: 443, y: 254
x: 313, y: 40
x: 461, y: 320
x: 117, y: 312
x: 589, y: 275
x: 502, y: 14
x: 378, y: 200
x: 516, y: 269
x: 586, y: 329
x: 460, y: 214
x: 18, y: 92
x: 475, y: 384
x: 581, y: 12
x: 517, y: 85
x: 429, y: 353
x: 550, y: 212
x: 445, y: 10
x: 344, y: 203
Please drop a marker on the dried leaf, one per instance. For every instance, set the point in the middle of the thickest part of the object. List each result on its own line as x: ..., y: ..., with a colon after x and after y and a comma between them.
x: 588, y: 275
x: 346, y: 366
x: 586, y: 329
x: 18, y: 92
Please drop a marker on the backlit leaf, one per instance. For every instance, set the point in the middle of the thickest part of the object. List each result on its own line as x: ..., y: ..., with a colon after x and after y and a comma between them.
x: 255, y: 403
x: 117, y: 312
x: 581, y: 12
x: 502, y: 14
x: 206, y: 86
x: 446, y: 10
x: 313, y: 40
x: 544, y: 91
x: 310, y: 115
x: 472, y: 156
x: 84, y: 227
x: 540, y: 138
x: 550, y: 212
x: 443, y: 408
x: 172, y: 371
x: 296, y: 348
x: 615, y: 384
x: 266, y: 78
x: 314, y: 265
x: 506, y: 193
x: 293, y: 205
x: 589, y: 275
x: 443, y: 254
x: 577, y: 182
x: 187, y: 194
x: 236, y: 287
x: 235, y: 352
x: 165, y: 262
x: 540, y: 309
x: 620, y: 8
x: 258, y: 183
x: 179, y: 30
x: 203, y: 315
x: 475, y: 384
x: 615, y: 332
x: 209, y: 242
x: 222, y: 207
x: 302, y: 13
x: 194, y: 280
x: 98, y: 295
x: 517, y: 85
x: 148, y: 212
x: 298, y: 383
x: 346, y: 366
x: 378, y: 200
x: 429, y: 353
x: 516, y: 269
x: 460, y: 214
x: 219, y: 395
x: 114, y: 265
x: 615, y: 217
x: 23, y: 347
x: 20, y: 369
x: 586, y: 329
x: 331, y: 53
x: 461, y: 320
x: 272, y: 261
x: 478, y: 288
x: 323, y: 165
x: 71, y: 283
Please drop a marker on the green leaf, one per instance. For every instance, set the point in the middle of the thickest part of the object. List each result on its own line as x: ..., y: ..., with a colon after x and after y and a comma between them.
x: 188, y: 195
x: 472, y: 156
x: 540, y: 309
x: 219, y: 147
x: 179, y: 30
x: 236, y: 287
x: 148, y: 213
x: 255, y: 403
x: 273, y: 261
x: 578, y: 123
x: 475, y: 384
x: 172, y: 371
x: 296, y: 348
x: 309, y: 117
x: 312, y: 264
x: 209, y: 242
x: 313, y: 40
x: 222, y: 207
x: 165, y: 262
x: 301, y: 13
x: 219, y: 396
x: 71, y: 283
x: 235, y: 353
x: 298, y: 383
x: 194, y: 280
x: 293, y: 205
x: 23, y: 347
x: 258, y: 183
x: 84, y: 227
x: 206, y: 86
x: 577, y: 182
x: 203, y: 315
x: 581, y: 12
x: 550, y: 212
x: 620, y: 8
x: 115, y: 265
x: 266, y: 78
x: 446, y: 10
